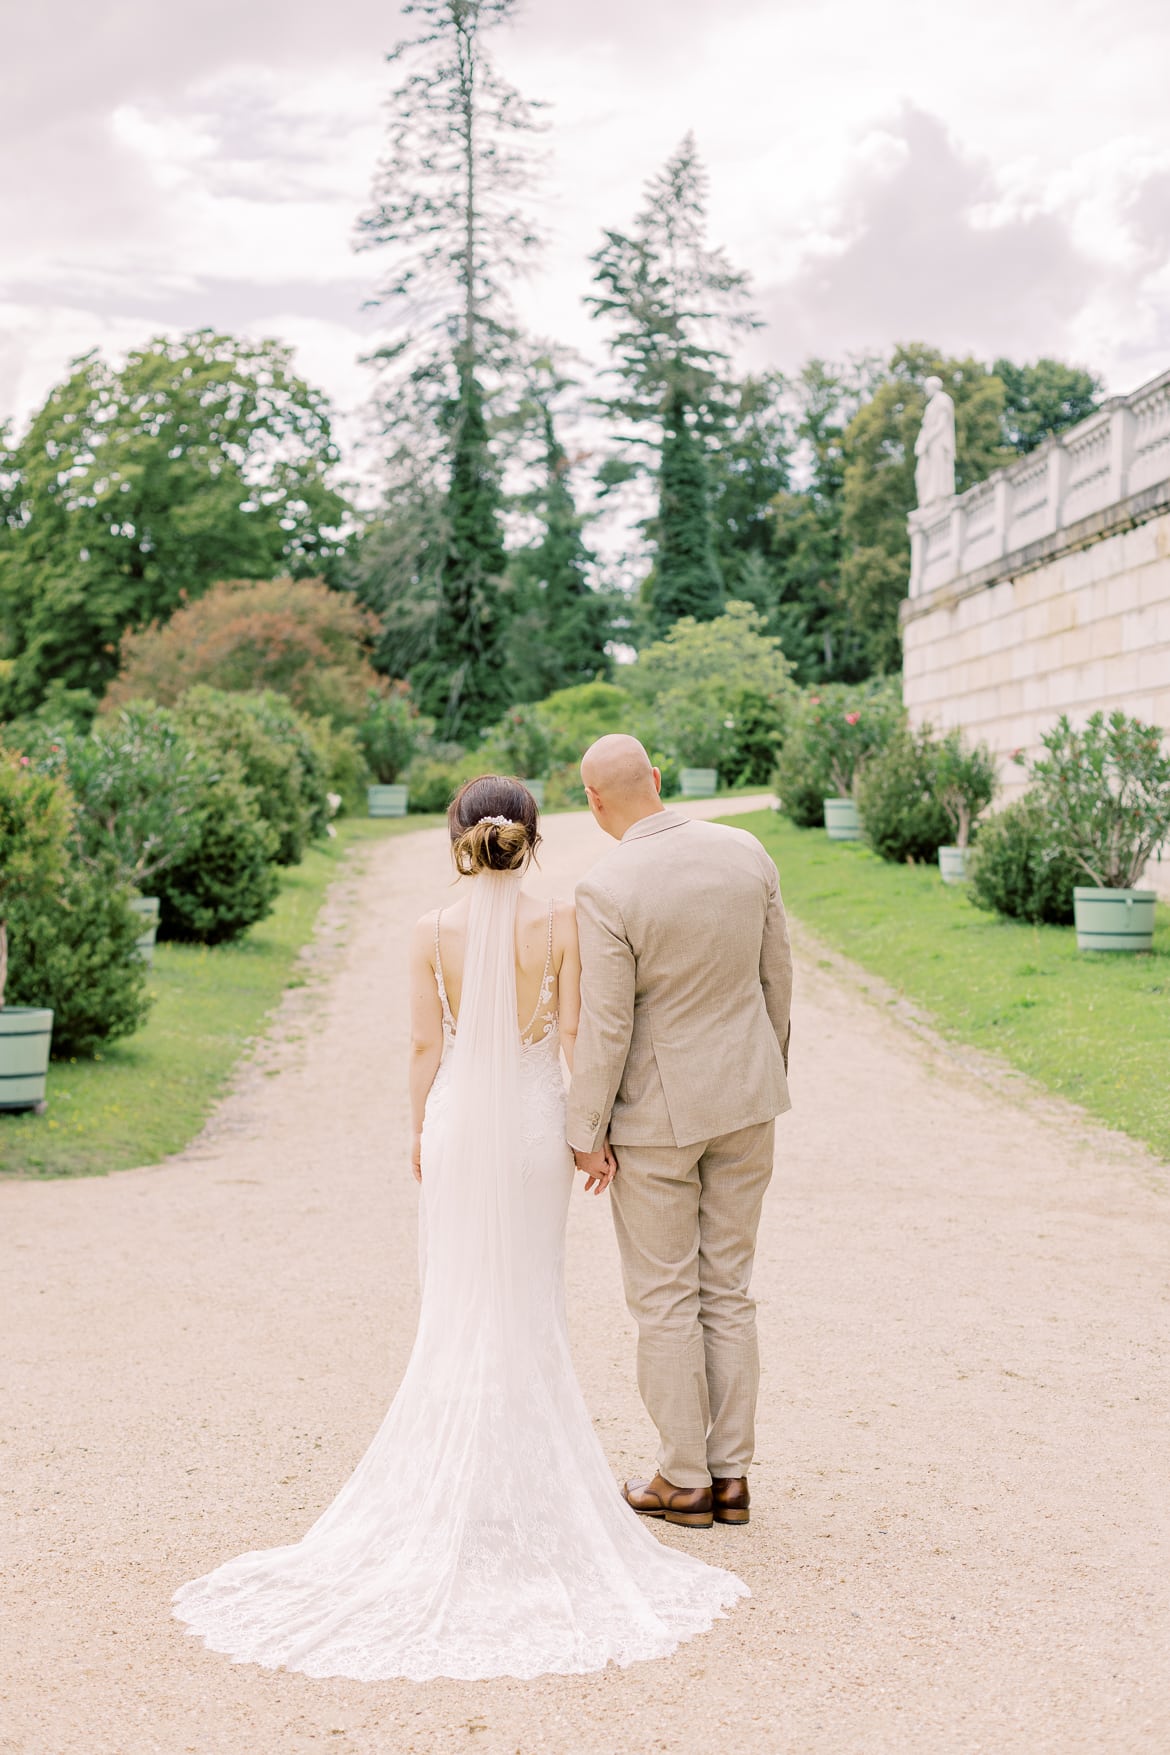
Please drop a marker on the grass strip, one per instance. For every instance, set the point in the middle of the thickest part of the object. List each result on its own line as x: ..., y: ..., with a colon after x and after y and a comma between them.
x: 148, y: 1096
x: 1093, y: 1026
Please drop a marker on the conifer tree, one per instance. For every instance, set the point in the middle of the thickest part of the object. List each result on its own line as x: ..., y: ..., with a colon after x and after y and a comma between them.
x: 672, y: 304
x: 446, y: 206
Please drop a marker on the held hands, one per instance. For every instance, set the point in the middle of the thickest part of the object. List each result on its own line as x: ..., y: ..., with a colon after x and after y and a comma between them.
x: 598, y: 1168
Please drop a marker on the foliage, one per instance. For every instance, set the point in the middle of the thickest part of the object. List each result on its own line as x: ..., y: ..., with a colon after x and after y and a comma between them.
x: 965, y: 782
x: 147, y: 1098
x: 277, y: 758
x: 203, y: 457
x: 1096, y: 1030
x: 390, y: 733
x: 686, y: 579
x: 462, y: 682
x: 434, y: 781
x: 716, y: 692
x: 139, y: 779
x: 520, y: 744
x: 1043, y: 399
x: 292, y: 635
x: 224, y: 880
x: 833, y: 731
x: 35, y: 817
x: 577, y: 717
x: 342, y: 765
x: 1106, y: 791
x: 74, y: 950
x: 560, y: 625
x: 1017, y: 869
x: 901, y: 816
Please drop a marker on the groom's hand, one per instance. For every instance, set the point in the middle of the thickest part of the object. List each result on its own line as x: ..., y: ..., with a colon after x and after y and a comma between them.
x: 598, y: 1168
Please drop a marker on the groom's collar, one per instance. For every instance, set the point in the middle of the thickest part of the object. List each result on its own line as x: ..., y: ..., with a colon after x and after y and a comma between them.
x: 655, y: 823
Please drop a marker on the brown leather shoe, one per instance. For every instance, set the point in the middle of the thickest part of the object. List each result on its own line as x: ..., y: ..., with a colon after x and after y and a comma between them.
x: 657, y: 1498
x: 731, y: 1500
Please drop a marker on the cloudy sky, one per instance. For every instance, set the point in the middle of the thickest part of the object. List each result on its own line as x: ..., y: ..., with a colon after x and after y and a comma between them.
x: 990, y: 175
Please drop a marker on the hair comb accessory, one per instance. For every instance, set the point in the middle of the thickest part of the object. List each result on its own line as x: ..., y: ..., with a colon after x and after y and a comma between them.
x: 499, y: 822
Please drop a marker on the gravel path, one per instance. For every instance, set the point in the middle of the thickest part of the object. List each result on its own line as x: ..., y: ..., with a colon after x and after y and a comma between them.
x: 961, y: 1541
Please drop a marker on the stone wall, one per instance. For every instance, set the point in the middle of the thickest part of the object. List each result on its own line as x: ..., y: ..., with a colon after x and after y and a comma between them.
x: 1077, y: 620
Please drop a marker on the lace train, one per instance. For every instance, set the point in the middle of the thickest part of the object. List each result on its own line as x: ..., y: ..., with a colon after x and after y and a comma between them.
x: 482, y: 1534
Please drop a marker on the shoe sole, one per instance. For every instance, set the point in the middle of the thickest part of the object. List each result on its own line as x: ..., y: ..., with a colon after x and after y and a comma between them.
x: 692, y: 1520
x: 733, y: 1517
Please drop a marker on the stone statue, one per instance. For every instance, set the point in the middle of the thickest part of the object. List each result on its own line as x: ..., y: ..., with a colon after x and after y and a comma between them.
x: 934, y: 473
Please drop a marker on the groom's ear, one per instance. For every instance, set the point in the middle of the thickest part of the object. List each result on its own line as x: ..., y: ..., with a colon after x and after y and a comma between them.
x: 657, y: 773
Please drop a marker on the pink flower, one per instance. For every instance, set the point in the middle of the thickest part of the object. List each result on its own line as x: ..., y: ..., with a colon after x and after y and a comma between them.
x: 814, y: 700
x: 24, y: 761
x: 852, y: 718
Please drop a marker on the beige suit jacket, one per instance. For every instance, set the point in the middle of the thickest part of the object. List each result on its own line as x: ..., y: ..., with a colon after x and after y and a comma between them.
x: 686, y: 985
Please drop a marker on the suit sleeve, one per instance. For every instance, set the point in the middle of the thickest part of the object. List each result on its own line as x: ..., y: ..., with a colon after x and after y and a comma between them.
x: 776, y: 964
x: 608, y: 974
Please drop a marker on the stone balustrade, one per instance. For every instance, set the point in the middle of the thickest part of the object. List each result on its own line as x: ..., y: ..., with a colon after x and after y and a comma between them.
x: 1114, y: 454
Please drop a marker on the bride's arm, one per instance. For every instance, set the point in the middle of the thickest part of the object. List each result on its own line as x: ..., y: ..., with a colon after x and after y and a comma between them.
x: 568, y: 978
x: 426, y: 1031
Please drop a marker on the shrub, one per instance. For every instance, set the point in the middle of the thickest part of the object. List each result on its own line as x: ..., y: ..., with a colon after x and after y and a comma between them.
x: 520, y: 744
x: 563, y: 789
x: 343, y: 767
x: 433, y: 784
x: 136, y: 778
x: 35, y: 816
x: 717, y: 692
x: 831, y: 733
x: 74, y: 950
x: 292, y: 635
x: 574, y: 718
x: 224, y: 880
x: 390, y: 732
x: 1017, y: 869
x: 272, y: 761
x: 1106, y: 790
x: 901, y: 816
x: 965, y: 782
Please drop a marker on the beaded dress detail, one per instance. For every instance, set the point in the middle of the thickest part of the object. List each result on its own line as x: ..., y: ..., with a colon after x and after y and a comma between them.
x: 483, y: 1533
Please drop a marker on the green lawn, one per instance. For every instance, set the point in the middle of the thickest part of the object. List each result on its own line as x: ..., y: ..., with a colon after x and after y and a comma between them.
x: 1093, y: 1026
x: 149, y: 1095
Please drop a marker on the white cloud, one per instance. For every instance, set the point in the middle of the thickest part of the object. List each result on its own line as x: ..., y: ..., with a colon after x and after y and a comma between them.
x: 983, y: 174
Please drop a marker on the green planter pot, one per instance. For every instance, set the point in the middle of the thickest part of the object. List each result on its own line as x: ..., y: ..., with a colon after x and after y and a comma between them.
x: 536, y: 787
x: 952, y: 863
x: 1114, y: 920
x: 841, y: 819
x: 147, y: 908
x: 25, y: 1034
x: 699, y: 782
x: 386, y: 801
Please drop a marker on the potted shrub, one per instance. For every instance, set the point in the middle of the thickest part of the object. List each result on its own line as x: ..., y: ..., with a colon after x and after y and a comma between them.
x: 901, y: 818
x: 389, y: 735
x: 837, y: 729
x: 1106, y: 792
x: 964, y: 785
x: 35, y: 816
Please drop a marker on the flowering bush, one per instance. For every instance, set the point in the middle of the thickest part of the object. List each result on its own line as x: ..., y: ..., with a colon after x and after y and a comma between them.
x: 1106, y: 792
x: 832, y: 732
x: 964, y: 782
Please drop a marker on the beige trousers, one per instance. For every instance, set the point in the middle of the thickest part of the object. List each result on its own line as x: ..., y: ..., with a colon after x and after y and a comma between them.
x: 686, y: 1219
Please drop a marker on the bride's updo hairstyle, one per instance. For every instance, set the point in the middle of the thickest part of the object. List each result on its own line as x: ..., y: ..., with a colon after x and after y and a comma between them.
x: 493, y: 825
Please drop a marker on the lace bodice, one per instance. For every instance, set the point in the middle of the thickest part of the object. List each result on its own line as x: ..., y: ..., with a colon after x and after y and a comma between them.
x: 541, y: 1027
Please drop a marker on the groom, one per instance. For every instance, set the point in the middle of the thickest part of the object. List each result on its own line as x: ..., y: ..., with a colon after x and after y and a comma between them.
x: 680, y: 1066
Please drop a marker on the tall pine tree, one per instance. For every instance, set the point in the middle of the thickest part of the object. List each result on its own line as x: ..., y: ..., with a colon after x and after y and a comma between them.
x: 446, y: 205
x: 672, y: 304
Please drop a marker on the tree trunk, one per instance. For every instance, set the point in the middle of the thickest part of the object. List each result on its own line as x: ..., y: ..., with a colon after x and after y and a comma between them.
x: 3, y: 960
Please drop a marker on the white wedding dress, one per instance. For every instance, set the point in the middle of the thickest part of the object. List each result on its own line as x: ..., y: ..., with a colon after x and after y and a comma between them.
x: 482, y: 1534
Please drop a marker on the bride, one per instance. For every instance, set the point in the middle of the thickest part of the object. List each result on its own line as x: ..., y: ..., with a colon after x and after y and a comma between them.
x: 482, y: 1533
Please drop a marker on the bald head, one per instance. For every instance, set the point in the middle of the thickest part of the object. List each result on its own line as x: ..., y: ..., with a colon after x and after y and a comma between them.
x: 620, y: 782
